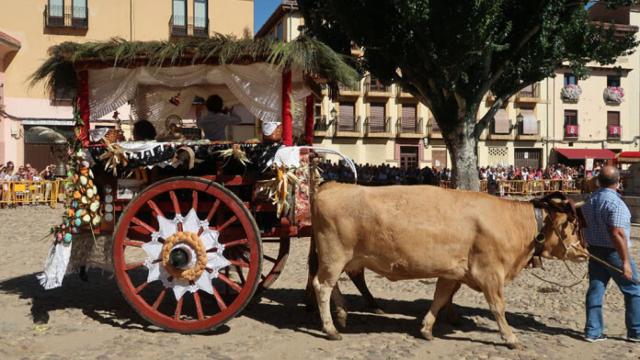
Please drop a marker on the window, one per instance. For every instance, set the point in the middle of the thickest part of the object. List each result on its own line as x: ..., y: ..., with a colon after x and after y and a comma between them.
x: 409, y: 157
x: 409, y: 118
x: 79, y: 9
x: 376, y: 117
x: 280, y: 31
x: 570, y: 79
x: 613, y: 118
x: 56, y: 8
x: 613, y: 81
x: 200, y: 14
x: 346, y: 117
x: 571, y: 117
x: 180, y: 13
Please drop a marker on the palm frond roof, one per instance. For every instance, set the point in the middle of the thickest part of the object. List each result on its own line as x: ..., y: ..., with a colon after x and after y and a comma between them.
x: 309, y: 55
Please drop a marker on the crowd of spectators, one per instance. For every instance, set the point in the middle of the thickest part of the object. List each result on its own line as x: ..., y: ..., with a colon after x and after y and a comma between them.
x: 392, y: 175
x: 25, y: 172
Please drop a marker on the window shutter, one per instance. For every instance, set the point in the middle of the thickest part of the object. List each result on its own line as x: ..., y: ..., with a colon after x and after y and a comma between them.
x: 376, y: 117
x: 409, y: 116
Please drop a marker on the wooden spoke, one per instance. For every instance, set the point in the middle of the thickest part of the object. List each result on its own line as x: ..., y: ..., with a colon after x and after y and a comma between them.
x: 133, y: 243
x: 240, y: 274
x: 174, y: 200
x: 239, y: 263
x: 194, y: 201
x: 155, y: 208
x: 178, y: 312
x: 213, y: 210
x: 139, y: 222
x: 159, y: 298
x: 134, y: 265
x: 196, y: 299
x: 227, y: 223
x: 142, y: 286
x: 219, y: 300
x: 229, y: 282
x: 235, y: 243
x: 139, y: 229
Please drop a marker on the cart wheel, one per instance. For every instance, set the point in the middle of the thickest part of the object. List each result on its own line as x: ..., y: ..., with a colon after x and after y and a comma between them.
x: 187, y: 254
x: 275, y: 252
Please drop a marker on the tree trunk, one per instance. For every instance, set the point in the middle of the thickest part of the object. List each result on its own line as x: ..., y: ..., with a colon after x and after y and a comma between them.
x: 463, y: 148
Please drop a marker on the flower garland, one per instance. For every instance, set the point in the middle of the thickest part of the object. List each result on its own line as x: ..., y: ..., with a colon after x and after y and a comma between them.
x: 571, y: 92
x: 82, y: 204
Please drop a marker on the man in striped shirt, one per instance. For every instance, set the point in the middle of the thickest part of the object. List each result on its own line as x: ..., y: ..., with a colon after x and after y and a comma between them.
x: 608, y: 236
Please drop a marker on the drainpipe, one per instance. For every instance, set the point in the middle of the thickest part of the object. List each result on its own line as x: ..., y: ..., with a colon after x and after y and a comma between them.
x: 130, y: 20
x: 546, y: 144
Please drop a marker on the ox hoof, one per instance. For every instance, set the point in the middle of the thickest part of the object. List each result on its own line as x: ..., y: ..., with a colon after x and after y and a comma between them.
x: 342, y: 320
x: 427, y: 334
x: 515, y: 346
x: 334, y: 336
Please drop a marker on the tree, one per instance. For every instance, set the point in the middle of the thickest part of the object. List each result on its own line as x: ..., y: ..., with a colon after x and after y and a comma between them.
x: 450, y: 54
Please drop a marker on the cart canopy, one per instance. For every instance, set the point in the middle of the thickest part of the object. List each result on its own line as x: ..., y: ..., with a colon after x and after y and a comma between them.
x: 147, y: 74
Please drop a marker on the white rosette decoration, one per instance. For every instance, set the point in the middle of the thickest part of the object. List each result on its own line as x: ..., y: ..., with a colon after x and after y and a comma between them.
x: 196, y: 229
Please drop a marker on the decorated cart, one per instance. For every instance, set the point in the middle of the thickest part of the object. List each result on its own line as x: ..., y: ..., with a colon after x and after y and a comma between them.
x: 190, y: 228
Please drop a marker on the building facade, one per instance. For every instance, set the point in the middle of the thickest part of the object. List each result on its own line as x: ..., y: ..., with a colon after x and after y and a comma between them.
x: 35, y: 25
x: 378, y: 124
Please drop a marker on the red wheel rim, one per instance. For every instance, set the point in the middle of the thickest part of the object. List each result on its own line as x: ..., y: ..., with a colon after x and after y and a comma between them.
x: 236, y: 284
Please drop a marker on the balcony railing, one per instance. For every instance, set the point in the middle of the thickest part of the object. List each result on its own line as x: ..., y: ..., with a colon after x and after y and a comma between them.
x: 181, y: 26
x: 530, y: 93
x: 349, y: 90
x: 375, y: 86
x: 571, y: 131
x: 410, y: 126
x: 348, y: 124
x: 374, y: 125
x: 75, y: 17
x: 320, y: 124
x: 614, y: 131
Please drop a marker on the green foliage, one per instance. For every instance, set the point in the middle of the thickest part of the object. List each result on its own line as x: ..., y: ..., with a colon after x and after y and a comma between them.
x: 306, y: 54
x: 449, y: 54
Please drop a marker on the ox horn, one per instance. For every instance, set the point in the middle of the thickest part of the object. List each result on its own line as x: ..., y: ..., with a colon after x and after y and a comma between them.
x: 578, y: 204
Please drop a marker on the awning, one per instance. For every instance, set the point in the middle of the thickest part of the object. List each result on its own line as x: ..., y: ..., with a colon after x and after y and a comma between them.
x: 578, y: 154
x: 629, y: 156
x: 529, y: 122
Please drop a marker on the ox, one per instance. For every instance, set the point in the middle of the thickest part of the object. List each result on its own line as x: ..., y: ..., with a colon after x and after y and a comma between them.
x: 427, y: 232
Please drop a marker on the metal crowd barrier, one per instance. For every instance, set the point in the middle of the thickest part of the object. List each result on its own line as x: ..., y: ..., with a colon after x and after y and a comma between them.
x: 45, y: 192
x: 529, y: 187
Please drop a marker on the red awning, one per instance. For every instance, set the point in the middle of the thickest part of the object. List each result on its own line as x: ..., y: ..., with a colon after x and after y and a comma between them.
x: 629, y: 156
x: 577, y: 154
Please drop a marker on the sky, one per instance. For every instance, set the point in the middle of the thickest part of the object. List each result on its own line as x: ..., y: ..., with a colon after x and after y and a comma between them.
x: 262, y: 11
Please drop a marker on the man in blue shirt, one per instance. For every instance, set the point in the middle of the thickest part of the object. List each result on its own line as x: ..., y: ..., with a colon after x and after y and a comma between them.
x: 608, y: 236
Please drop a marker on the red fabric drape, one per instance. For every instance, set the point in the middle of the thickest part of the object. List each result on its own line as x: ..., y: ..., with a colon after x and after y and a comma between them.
x: 287, y: 118
x: 308, y: 124
x: 83, y: 106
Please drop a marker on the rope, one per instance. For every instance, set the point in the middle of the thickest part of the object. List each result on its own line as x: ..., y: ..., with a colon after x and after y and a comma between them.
x: 558, y: 284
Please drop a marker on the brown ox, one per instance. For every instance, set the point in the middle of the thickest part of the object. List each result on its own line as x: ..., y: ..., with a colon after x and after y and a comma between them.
x: 427, y: 232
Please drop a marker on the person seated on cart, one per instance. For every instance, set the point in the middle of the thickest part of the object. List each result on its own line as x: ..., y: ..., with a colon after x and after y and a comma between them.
x: 143, y: 130
x: 216, y: 119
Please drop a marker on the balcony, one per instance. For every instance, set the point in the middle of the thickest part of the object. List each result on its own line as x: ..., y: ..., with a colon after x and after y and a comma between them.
x: 571, y: 93
x: 181, y: 26
x: 613, y: 95
x: 348, y: 127
x: 434, y: 129
x: 375, y: 88
x: 500, y: 129
x: 349, y: 91
x: 411, y: 128
x: 321, y: 126
x: 614, y: 132
x: 401, y: 93
x: 69, y: 17
x: 571, y: 131
x: 377, y: 127
x: 529, y: 131
x: 529, y: 95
